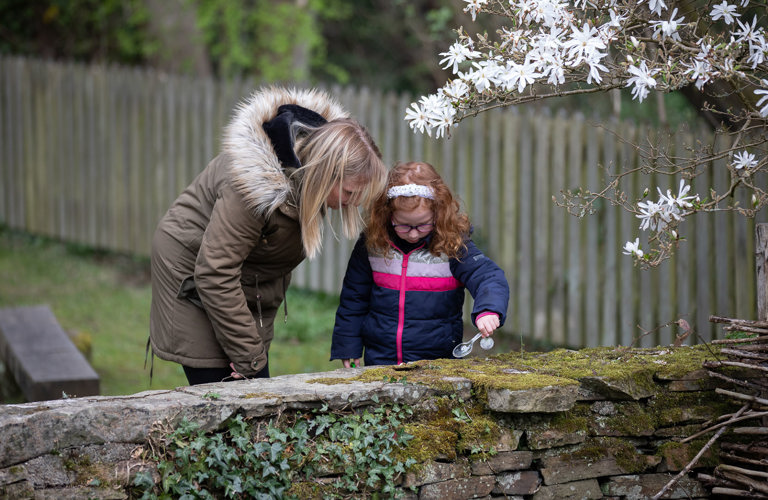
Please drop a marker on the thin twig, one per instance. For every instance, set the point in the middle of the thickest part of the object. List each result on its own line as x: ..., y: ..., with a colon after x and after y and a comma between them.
x: 732, y: 492
x: 739, y: 478
x: 741, y: 341
x: 738, y: 365
x: 693, y: 462
x: 736, y: 417
x: 743, y: 397
x: 744, y: 354
x: 729, y: 379
x: 737, y: 321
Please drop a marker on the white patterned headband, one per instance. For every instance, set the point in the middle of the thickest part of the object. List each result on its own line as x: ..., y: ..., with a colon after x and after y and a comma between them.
x: 411, y: 190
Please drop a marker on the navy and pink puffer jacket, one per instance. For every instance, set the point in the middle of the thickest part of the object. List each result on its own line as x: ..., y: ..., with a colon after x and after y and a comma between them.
x: 407, y: 306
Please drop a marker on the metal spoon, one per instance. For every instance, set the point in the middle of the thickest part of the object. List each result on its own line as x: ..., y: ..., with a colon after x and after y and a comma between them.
x: 465, y: 348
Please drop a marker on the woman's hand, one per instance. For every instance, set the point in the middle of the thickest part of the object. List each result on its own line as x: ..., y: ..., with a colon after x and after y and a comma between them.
x: 351, y: 363
x: 488, y: 323
x: 235, y: 375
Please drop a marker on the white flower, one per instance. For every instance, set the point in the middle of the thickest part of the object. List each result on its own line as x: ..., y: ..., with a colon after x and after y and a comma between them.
x: 521, y: 75
x: 649, y: 215
x: 642, y: 80
x: 441, y: 118
x: 482, y: 75
x: 699, y: 72
x: 457, y: 54
x: 455, y: 89
x: 474, y: 6
x: 418, y: 119
x: 668, y: 28
x: 583, y: 44
x: 656, y: 6
x: 744, y: 160
x: 725, y: 11
x: 633, y: 248
x: 764, y: 99
x: 595, y: 67
x: 680, y: 200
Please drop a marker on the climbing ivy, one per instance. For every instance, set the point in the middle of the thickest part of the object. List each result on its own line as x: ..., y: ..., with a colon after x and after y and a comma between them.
x: 321, y: 454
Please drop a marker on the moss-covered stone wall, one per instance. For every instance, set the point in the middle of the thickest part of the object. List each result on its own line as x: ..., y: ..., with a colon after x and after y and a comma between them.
x: 594, y: 423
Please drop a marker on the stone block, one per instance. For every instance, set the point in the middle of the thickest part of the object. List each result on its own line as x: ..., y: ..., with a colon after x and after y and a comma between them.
x: 435, y: 472
x: 633, y: 386
x: 549, y: 399
x: 577, y: 490
x: 643, y: 486
x: 558, y: 470
x: 525, y: 482
x: 458, y: 489
x: 539, y: 439
x: 509, y: 440
x: 501, y: 462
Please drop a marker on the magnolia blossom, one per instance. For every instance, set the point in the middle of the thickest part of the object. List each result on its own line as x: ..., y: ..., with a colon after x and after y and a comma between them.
x: 724, y: 11
x: 664, y: 29
x: 763, y: 100
x: 457, y: 54
x: 633, y: 248
x: 744, y: 160
x: 642, y: 79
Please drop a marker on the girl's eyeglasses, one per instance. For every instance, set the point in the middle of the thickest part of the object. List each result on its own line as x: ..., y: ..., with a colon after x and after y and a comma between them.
x: 406, y: 228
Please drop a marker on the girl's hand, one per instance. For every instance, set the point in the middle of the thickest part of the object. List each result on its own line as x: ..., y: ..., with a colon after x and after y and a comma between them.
x: 351, y: 363
x: 488, y: 323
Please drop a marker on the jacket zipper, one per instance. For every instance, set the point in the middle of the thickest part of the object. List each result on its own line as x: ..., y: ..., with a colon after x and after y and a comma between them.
x: 401, y: 303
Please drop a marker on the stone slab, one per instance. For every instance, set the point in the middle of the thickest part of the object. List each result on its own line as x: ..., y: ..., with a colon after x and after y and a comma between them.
x: 41, y: 357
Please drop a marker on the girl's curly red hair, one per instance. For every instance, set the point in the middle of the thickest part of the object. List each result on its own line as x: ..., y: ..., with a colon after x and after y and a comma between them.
x: 451, y: 225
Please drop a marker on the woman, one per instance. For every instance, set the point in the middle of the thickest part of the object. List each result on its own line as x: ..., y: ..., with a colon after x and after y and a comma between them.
x: 223, y: 253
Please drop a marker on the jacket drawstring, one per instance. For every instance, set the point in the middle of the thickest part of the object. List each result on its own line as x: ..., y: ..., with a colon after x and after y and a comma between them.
x: 258, y: 302
x: 285, y: 298
x: 152, y: 360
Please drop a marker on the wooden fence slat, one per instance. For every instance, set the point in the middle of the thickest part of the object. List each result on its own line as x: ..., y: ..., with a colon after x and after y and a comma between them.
x: 592, y: 248
x: 576, y: 326
x: 540, y: 230
x: 524, y: 262
x: 557, y: 243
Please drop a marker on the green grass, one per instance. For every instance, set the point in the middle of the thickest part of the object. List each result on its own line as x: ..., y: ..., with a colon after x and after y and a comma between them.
x: 107, y: 297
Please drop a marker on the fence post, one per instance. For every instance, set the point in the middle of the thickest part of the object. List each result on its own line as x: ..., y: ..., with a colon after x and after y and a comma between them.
x: 761, y: 265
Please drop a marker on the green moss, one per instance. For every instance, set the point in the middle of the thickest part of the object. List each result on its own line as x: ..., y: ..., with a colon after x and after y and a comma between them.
x: 264, y: 395
x: 479, y: 435
x: 627, y: 457
x: 673, y: 408
x: 679, y: 455
x: 612, y: 362
x: 570, y: 422
x: 630, y: 420
x: 309, y: 490
x: 531, y: 370
x: 429, y: 443
x: 328, y: 380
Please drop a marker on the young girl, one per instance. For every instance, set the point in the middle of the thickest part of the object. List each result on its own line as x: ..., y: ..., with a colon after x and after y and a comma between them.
x: 403, y: 291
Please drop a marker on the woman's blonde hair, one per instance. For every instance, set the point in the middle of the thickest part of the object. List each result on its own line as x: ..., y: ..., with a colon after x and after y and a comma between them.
x: 330, y: 154
x: 452, y: 226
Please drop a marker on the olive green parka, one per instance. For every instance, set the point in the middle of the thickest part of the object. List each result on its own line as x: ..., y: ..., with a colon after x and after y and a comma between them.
x: 223, y: 252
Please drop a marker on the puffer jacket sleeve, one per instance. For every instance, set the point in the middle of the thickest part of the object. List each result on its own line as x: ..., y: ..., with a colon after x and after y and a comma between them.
x: 485, y: 281
x: 228, y: 239
x: 354, y: 305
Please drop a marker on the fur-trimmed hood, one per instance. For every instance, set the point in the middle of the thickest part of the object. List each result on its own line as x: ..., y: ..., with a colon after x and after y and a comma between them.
x: 256, y: 171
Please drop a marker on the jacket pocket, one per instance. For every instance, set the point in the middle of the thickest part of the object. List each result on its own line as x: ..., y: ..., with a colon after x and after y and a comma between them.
x: 188, y: 291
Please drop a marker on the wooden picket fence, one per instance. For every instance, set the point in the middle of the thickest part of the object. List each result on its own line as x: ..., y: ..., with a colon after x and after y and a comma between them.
x: 95, y: 155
